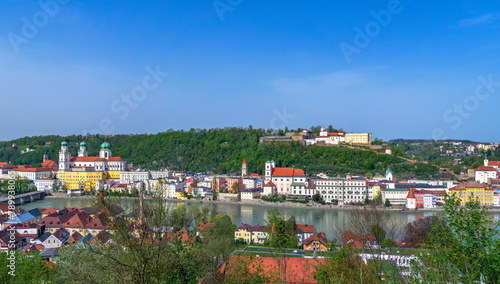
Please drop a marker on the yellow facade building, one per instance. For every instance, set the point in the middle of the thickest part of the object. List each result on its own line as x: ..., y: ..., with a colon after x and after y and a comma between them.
x: 482, y: 193
x: 113, y: 174
x: 251, y: 234
x: 85, y: 180
x: 358, y: 138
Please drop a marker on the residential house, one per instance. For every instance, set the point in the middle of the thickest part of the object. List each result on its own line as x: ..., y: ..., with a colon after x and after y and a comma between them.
x: 360, y: 241
x: 251, y: 234
x: 250, y: 194
x: 36, y: 214
x: 5, y: 240
x: 304, y: 232
x: 318, y: 241
x: 32, y: 173
x: 269, y: 189
x: 96, y: 225
x: 103, y: 237
x: 57, y: 239
x: 29, y: 231
x: 77, y: 223
x: 485, y: 174
x: 24, y: 218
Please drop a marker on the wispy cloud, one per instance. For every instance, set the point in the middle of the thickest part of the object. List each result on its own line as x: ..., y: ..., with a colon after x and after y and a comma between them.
x: 483, y: 19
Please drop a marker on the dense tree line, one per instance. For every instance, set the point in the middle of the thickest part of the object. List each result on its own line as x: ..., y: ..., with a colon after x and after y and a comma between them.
x: 217, y: 150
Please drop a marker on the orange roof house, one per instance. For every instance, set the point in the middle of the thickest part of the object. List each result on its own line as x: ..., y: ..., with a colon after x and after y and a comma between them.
x: 287, y: 172
x: 318, y: 241
x: 360, y: 241
x: 50, y: 164
x: 202, y: 226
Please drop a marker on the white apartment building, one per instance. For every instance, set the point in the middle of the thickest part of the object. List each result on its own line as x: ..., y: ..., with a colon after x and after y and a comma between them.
x: 173, y: 187
x: 46, y: 184
x: 397, y: 196
x: 301, y: 189
x: 484, y: 174
x: 160, y: 174
x: 249, y: 183
x: 344, y: 190
x: 249, y: 194
x: 429, y: 201
x: 32, y: 173
x: 130, y: 177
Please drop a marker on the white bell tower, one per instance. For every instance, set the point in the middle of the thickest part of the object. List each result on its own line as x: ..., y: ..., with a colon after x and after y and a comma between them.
x: 270, y: 165
x: 64, y: 157
x: 105, y: 152
x: 82, y: 152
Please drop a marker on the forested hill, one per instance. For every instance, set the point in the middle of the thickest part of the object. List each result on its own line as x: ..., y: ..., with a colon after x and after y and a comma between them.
x: 217, y: 150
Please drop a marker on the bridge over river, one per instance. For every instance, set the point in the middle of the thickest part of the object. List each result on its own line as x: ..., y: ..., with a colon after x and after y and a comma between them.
x: 25, y: 197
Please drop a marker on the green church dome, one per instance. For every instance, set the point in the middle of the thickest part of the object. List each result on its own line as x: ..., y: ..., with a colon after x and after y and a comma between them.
x: 83, y: 144
x: 105, y: 146
x: 64, y: 144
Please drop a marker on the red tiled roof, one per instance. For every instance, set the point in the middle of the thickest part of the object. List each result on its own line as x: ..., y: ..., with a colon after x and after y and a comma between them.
x: 270, y: 183
x: 32, y: 248
x: 23, y: 167
x: 471, y: 184
x: 203, y: 226
x: 251, y: 228
x: 48, y: 211
x: 98, y: 222
x: 86, y: 159
x: 254, y: 175
x: 288, y: 172
x: 486, y: 169
x: 75, y: 237
x: 95, y: 159
x: 411, y: 194
x: 56, y: 220
x: 244, y: 161
x: 79, y: 220
x: 305, y: 228
x: 321, y: 237
x: 183, y: 235
x: 494, y: 163
x: 357, y: 241
x: 49, y: 164
x: 103, y: 236
x: 115, y: 159
x: 32, y: 170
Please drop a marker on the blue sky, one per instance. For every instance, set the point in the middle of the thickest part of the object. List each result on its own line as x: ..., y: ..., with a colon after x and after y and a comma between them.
x: 411, y: 69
